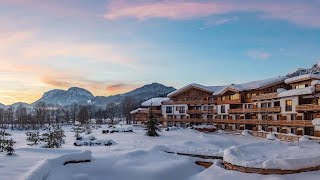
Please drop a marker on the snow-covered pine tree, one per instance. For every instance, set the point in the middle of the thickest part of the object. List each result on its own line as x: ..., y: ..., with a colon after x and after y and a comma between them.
x: 88, y: 128
x: 9, y: 147
x: 152, y: 124
x: 59, y: 132
x: 33, y: 137
x: 54, y: 137
x: 78, y: 129
x: 3, y: 139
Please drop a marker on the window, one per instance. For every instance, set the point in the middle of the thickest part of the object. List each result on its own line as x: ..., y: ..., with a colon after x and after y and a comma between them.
x: 181, y: 109
x: 234, y: 96
x: 301, y: 86
x: 223, y: 109
x: 289, y: 105
x: 264, y: 117
x: 169, y: 109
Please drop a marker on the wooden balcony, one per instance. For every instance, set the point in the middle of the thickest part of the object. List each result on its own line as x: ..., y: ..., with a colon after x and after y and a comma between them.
x: 187, y: 120
x: 194, y: 111
x: 317, y: 87
x: 254, y: 110
x: 212, y: 111
x: 299, y: 123
x: 229, y: 101
x: 157, y: 111
x: 190, y: 102
x: 308, y: 107
x: 265, y: 96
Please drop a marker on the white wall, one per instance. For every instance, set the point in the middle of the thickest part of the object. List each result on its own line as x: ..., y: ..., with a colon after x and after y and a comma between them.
x: 227, y: 107
x: 295, y: 102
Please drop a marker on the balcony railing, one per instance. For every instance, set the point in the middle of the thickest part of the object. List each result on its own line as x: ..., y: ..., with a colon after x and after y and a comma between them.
x: 295, y: 123
x: 302, y: 123
x: 194, y: 120
x: 190, y: 102
x: 308, y: 107
x: 265, y: 96
x: 194, y: 111
x: 255, y: 110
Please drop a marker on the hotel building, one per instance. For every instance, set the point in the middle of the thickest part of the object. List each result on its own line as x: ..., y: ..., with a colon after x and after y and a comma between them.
x: 281, y: 104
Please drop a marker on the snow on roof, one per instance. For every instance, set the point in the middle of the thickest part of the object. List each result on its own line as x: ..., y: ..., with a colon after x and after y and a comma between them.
x: 315, y: 82
x: 216, y: 90
x: 144, y: 110
x: 316, y: 122
x: 252, y: 85
x: 302, y: 78
x: 210, y: 89
x: 297, y: 92
x: 154, y: 101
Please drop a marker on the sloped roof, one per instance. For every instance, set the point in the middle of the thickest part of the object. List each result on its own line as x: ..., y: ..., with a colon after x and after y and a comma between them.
x: 154, y: 101
x: 252, y: 85
x: 297, y: 92
x: 302, y: 78
x: 144, y: 110
x: 209, y: 89
x: 216, y: 90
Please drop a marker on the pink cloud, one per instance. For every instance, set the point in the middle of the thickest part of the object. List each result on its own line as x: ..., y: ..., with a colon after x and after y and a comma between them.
x: 256, y: 54
x: 298, y: 12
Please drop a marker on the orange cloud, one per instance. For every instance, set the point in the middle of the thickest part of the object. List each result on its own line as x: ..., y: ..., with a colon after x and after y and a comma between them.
x: 120, y: 88
x: 28, y: 65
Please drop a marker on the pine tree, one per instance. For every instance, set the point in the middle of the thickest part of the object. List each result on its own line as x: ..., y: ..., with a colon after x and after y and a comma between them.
x: 3, y: 139
x: 152, y: 124
x: 88, y: 129
x: 53, y: 137
x: 78, y: 129
x: 33, y: 138
x: 9, y: 147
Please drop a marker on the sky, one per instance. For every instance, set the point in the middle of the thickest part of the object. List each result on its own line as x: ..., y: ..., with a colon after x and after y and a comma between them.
x: 114, y: 46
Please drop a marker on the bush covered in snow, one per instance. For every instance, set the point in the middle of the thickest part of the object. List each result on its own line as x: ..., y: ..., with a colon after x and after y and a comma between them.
x: 245, y: 133
x: 92, y: 141
x: 33, y: 137
x: 54, y: 137
x: 271, y: 136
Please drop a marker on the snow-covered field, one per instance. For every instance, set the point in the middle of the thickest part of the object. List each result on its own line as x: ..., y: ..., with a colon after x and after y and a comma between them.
x: 139, y: 157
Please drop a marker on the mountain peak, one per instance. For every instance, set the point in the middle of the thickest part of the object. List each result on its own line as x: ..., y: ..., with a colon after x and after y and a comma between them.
x: 315, y: 69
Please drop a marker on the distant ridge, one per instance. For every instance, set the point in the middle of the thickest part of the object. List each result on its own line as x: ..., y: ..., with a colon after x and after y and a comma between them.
x: 84, y: 97
x: 315, y: 69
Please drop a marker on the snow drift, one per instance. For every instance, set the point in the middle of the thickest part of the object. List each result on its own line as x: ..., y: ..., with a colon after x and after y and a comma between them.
x: 42, y: 170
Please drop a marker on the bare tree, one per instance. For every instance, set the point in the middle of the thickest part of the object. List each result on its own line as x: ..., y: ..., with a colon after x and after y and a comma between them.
x: 2, y: 117
x: 111, y: 112
x: 74, y: 111
x: 128, y: 104
x: 40, y: 113
x: 83, y: 115
x: 21, y: 116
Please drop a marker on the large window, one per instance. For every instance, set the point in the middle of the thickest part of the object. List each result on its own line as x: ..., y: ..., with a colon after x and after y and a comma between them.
x: 169, y: 110
x: 234, y: 96
x: 181, y: 109
x: 301, y: 86
x: 223, y: 109
x: 288, y: 105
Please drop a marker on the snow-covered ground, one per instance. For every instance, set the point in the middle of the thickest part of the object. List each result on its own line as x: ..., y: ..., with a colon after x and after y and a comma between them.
x: 136, y: 156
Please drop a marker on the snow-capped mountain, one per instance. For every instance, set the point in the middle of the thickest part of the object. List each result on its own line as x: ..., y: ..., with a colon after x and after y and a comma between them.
x: 82, y: 96
x: 140, y: 94
x: 315, y: 69
x: 62, y: 97
x: 16, y: 105
x: 2, y: 105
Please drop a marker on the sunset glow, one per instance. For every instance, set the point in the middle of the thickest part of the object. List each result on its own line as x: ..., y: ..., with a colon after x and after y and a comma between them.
x: 114, y: 46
